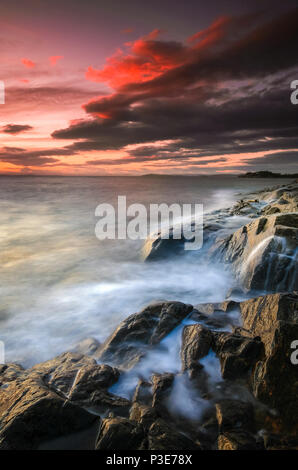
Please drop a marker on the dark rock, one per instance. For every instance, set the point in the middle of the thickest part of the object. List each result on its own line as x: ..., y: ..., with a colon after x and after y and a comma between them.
x: 143, y: 393
x: 274, y: 379
x: 196, y: 343
x: 87, y: 347
x: 129, y: 342
x: 235, y: 414
x: 162, y: 384
x: 262, y: 254
x: 31, y: 413
x: 161, y: 436
x: 80, y: 379
x: 236, y: 440
x: 119, y: 434
x: 237, y: 354
x: 9, y: 372
x: 143, y: 414
x: 280, y: 442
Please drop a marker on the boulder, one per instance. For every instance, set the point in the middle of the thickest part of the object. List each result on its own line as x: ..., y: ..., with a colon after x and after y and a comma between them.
x: 119, y: 434
x: 274, y: 318
x: 216, y: 315
x: 262, y: 254
x: 81, y: 380
x: 143, y: 394
x: 237, y: 354
x: 196, y: 343
x: 162, y: 384
x: 87, y: 347
x: 234, y: 414
x: 143, y: 414
x: 31, y: 413
x: 140, y: 331
x: 236, y: 440
x: 161, y: 436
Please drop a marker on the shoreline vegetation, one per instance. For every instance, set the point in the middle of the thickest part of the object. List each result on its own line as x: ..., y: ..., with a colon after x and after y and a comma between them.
x: 268, y: 174
x: 251, y: 405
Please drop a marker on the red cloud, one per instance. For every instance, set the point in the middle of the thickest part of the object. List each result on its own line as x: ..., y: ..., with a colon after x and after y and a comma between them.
x: 146, y: 60
x: 28, y: 63
x: 54, y: 59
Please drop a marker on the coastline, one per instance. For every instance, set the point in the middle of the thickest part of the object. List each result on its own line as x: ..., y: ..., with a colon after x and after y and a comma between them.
x: 254, y: 406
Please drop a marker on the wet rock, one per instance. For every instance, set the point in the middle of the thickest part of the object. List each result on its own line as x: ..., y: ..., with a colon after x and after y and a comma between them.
x: 237, y: 354
x: 216, y: 315
x: 119, y: 434
x: 161, y: 436
x: 235, y: 414
x: 87, y: 347
x: 246, y: 207
x: 262, y: 254
x: 280, y: 442
x: 9, y: 372
x: 84, y: 382
x: 130, y: 341
x: 31, y: 413
x: 143, y: 414
x: 162, y: 384
x: 196, y: 343
x: 274, y: 318
x: 143, y: 394
x: 236, y: 440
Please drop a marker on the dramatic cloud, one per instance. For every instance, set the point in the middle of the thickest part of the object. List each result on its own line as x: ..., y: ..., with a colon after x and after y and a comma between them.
x: 28, y: 63
x: 22, y: 157
x: 16, y: 128
x: 225, y: 91
x: 278, y: 158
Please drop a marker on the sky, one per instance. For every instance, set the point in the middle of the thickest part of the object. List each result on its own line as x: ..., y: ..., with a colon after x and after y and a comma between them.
x: 128, y: 88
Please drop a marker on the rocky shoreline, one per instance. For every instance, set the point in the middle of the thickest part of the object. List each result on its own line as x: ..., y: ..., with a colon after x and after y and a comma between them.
x: 68, y: 402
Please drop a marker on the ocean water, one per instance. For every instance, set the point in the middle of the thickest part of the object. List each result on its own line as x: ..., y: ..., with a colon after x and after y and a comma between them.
x: 59, y: 284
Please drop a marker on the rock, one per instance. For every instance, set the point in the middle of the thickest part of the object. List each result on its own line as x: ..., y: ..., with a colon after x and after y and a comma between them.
x: 161, y: 436
x: 274, y: 318
x: 9, y: 372
x: 162, y: 384
x: 142, y: 414
x: 31, y: 413
x: 130, y: 341
x: 237, y: 354
x: 143, y: 394
x: 119, y: 434
x: 87, y: 347
x: 196, y: 343
x: 279, y: 442
x: 262, y: 254
x: 244, y: 207
x: 236, y: 440
x: 283, y: 199
x: 156, y: 247
x: 215, y: 315
x: 235, y: 414
x: 81, y: 380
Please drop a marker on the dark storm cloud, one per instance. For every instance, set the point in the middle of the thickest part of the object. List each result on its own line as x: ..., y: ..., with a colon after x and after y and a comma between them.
x: 23, y: 157
x: 195, y: 105
x: 15, y: 128
x: 278, y: 158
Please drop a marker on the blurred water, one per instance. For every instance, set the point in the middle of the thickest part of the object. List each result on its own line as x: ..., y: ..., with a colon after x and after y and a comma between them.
x: 60, y: 284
